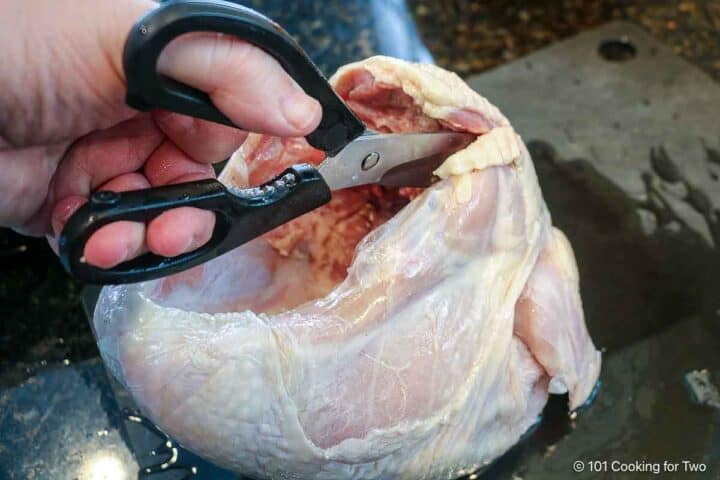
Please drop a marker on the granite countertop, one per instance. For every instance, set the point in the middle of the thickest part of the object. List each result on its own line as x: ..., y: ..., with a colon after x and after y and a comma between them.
x: 42, y: 320
x: 471, y: 36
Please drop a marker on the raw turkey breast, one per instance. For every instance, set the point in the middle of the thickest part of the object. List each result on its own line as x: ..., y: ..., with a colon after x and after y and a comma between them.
x: 392, y: 333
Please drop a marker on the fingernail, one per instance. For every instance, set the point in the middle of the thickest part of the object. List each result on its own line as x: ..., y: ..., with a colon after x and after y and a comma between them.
x: 132, y: 243
x: 301, y: 111
x: 125, y: 255
x: 200, y: 238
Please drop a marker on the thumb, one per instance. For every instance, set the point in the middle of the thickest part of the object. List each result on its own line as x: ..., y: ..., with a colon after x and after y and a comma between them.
x: 243, y: 81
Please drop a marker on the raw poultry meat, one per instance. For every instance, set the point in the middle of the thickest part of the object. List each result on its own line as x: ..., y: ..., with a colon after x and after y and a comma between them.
x: 393, y: 333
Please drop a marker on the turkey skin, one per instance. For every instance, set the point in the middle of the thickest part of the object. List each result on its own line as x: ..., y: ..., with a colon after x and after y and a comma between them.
x: 390, y: 334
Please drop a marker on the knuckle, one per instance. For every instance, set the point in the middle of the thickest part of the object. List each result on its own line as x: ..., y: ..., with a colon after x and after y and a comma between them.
x: 232, y: 57
x: 226, y: 53
x: 241, y: 53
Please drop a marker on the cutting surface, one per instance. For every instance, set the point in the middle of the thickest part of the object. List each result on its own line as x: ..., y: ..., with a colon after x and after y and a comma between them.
x: 628, y: 155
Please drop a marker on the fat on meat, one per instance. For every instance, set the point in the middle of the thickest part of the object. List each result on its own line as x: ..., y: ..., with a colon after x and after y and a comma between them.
x: 392, y: 333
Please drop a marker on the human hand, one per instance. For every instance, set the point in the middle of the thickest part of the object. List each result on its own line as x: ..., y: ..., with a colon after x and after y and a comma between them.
x: 67, y: 132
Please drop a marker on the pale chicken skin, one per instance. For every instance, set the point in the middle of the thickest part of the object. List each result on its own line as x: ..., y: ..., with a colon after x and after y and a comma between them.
x: 389, y: 334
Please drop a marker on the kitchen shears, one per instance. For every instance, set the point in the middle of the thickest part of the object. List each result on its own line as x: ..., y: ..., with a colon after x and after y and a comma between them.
x: 355, y: 155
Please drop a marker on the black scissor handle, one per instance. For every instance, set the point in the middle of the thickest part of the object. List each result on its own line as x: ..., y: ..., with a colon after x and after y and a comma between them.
x: 146, y: 89
x: 240, y: 216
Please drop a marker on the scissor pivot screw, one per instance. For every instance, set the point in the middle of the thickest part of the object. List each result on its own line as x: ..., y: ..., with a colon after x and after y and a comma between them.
x: 289, y: 180
x: 370, y: 160
x: 105, y: 197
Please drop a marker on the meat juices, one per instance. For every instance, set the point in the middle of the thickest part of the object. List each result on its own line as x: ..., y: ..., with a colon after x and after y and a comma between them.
x: 393, y: 333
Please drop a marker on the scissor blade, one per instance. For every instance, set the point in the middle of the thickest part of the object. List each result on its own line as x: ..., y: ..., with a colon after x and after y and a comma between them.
x: 392, y: 159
